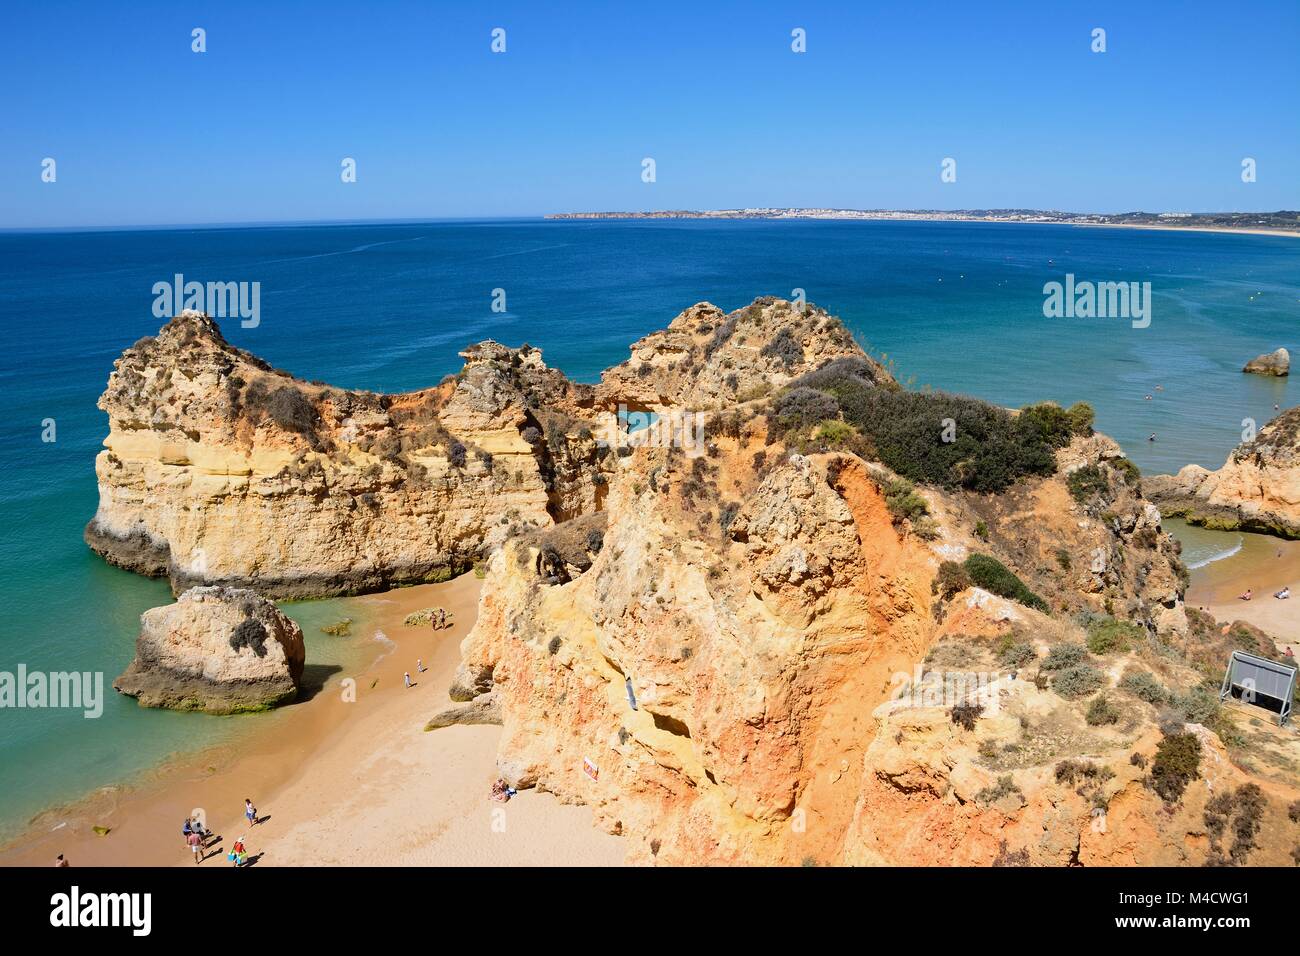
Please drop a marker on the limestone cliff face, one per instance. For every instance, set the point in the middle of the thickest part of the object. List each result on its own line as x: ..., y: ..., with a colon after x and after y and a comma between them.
x: 1257, y: 489
x: 754, y: 656
x: 220, y: 650
x: 721, y: 684
x: 218, y: 469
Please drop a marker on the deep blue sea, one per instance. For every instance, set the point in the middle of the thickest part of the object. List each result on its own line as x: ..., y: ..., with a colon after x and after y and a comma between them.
x: 957, y: 306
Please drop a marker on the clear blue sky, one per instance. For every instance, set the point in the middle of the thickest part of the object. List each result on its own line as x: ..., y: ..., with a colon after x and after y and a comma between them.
x: 145, y: 131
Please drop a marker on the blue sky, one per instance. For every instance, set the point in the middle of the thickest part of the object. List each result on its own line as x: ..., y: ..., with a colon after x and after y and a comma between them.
x: 144, y: 131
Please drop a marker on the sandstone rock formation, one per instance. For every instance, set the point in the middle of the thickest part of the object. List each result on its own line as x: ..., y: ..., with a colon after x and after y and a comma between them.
x: 721, y: 684
x: 219, y: 650
x: 736, y: 646
x: 1257, y: 489
x: 218, y: 469
x: 1277, y: 363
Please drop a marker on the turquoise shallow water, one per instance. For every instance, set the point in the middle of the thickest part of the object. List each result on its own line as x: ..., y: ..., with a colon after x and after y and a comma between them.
x: 955, y: 305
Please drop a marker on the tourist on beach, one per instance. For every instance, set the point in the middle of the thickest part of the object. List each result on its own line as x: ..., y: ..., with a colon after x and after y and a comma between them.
x: 442, y: 618
x: 502, y: 791
x: 238, y: 853
x: 419, y: 666
x: 1283, y: 594
x: 250, y: 812
x: 196, y: 845
x: 1245, y: 597
x: 187, y: 829
x: 61, y: 861
x: 406, y: 676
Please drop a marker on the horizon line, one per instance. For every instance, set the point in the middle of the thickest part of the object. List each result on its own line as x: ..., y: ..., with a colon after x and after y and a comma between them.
x: 662, y: 213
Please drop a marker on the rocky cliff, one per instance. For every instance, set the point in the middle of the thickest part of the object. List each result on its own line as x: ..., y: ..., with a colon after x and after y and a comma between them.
x: 218, y: 469
x: 1257, y: 489
x: 219, y: 650
x: 754, y: 666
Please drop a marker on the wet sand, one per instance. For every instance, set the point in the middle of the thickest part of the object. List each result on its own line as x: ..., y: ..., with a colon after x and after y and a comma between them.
x: 1264, y: 565
x: 338, y: 781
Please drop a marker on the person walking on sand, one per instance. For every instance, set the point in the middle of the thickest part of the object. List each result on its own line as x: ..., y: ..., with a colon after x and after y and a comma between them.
x: 196, y: 844
x: 419, y: 666
x: 406, y: 676
x: 238, y: 853
x: 250, y: 812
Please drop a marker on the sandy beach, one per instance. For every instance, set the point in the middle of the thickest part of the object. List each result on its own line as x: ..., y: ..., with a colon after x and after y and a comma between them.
x: 340, y: 782
x: 1264, y: 565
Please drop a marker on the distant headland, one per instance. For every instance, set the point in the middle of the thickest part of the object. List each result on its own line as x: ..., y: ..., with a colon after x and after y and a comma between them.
x: 1282, y: 222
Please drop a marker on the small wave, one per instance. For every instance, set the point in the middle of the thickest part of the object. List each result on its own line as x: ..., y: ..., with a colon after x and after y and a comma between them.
x: 1218, y: 556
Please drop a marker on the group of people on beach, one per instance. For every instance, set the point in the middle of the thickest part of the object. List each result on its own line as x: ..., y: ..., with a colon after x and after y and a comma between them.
x: 1282, y: 595
x: 439, y: 618
x: 198, y: 837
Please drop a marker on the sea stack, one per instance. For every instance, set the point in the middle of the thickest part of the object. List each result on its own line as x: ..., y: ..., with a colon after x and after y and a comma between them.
x: 1270, y: 363
x: 219, y: 650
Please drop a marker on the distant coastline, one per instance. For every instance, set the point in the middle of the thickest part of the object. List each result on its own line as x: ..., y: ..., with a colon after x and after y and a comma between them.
x: 1281, y: 223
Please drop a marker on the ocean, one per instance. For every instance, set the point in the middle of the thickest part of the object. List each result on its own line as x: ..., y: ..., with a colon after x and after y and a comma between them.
x: 956, y: 306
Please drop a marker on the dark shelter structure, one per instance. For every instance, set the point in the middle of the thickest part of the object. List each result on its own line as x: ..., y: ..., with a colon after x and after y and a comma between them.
x: 1258, y: 677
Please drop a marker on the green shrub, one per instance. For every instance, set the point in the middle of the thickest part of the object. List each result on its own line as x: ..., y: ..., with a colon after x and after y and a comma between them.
x: 1013, y: 652
x: 951, y: 579
x: 785, y: 348
x: 1065, y: 655
x: 1101, y: 711
x: 1177, y: 763
x: 1200, y: 705
x: 841, y: 377
x: 1070, y: 772
x: 1088, y: 482
x: 836, y: 432
x: 981, y: 530
x: 1109, y: 635
x: 1144, y: 686
x: 1244, y: 809
x: 1004, y: 788
x: 994, y: 576
x: 1052, y: 424
x: 1077, y: 681
x: 902, y: 500
x: 907, y: 429
x: 1130, y: 472
x: 801, y: 408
